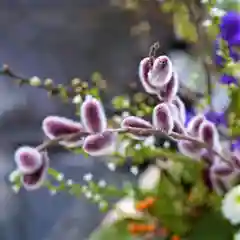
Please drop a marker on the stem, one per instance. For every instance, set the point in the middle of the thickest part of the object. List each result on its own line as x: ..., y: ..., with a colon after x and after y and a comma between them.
x: 54, y: 90
x: 173, y: 136
x: 201, y: 44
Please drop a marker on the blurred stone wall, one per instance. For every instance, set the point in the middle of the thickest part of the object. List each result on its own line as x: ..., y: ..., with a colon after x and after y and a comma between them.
x: 62, y: 39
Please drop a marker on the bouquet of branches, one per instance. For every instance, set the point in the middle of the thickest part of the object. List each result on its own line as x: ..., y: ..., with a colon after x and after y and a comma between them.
x: 189, y: 191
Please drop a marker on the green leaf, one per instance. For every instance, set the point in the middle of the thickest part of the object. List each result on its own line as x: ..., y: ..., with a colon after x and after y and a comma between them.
x: 211, y: 226
x: 169, y: 206
x: 120, y: 102
x: 78, y: 151
x: 117, y: 231
x: 94, y: 92
x: 168, y: 6
x: 183, y: 25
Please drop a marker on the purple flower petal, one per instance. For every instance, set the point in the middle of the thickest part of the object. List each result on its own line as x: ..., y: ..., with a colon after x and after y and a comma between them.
x: 179, y: 128
x: 228, y: 79
x: 144, y: 68
x: 221, y: 168
x: 54, y: 126
x: 28, y: 159
x: 170, y: 89
x: 34, y: 180
x: 137, y: 122
x: 181, y: 108
x: 161, y: 72
x: 209, y: 134
x: 194, y: 125
x: 230, y: 25
x: 217, y: 118
x: 162, y: 118
x: 189, y: 149
x: 174, y: 111
x: 207, y: 178
x: 100, y: 144
x: 93, y: 115
x: 207, y: 157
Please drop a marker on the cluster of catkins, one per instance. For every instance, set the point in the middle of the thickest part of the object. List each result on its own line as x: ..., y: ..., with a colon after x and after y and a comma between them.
x: 157, y: 77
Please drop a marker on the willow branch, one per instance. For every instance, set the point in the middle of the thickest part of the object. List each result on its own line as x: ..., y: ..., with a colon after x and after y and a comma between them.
x: 173, y: 136
x: 53, y: 90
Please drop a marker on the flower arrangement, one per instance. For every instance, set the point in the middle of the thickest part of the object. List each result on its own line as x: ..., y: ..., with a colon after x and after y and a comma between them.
x: 191, y: 192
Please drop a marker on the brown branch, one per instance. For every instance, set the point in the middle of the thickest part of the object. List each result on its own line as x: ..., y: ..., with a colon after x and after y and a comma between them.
x: 53, y: 90
x: 202, y: 44
x: 139, y: 131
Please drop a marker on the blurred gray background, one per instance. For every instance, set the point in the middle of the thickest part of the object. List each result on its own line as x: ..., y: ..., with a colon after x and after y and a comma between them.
x: 63, y: 39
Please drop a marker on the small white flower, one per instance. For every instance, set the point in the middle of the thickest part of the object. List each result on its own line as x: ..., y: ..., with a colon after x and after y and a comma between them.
x: 231, y: 205
x: 117, y: 119
x: 219, y: 52
x: 102, y: 183
x: 166, y: 144
x: 35, y: 81
x: 48, y: 81
x: 53, y: 192
x: 122, y: 146
x: 149, y: 179
x: 125, y: 208
x: 16, y: 188
x: 84, y: 189
x: 236, y: 236
x: 137, y: 146
x: 97, y: 197
x: 134, y: 170
x: 88, y: 177
x: 111, y: 166
x: 14, y: 175
x: 88, y: 194
x: 207, y: 23
x: 69, y: 182
x: 125, y: 114
x: 126, y: 103
x: 103, y: 205
x: 149, y: 142
x: 60, y: 177
x: 217, y: 12
x: 77, y: 99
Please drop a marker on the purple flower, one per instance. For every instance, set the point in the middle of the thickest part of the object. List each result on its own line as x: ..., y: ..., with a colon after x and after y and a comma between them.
x: 33, y: 166
x: 216, y: 117
x: 230, y: 32
x: 230, y: 26
x: 190, y: 113
x: 236, y: 144
x: 228, y: 79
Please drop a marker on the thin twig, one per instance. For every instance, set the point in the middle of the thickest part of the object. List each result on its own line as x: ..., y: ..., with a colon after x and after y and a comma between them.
x: 201, y: 44
x: 54, y: 90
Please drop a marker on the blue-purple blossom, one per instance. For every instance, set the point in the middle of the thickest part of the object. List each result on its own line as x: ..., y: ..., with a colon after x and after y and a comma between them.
x: 218, y: 118
x: 229, y: 32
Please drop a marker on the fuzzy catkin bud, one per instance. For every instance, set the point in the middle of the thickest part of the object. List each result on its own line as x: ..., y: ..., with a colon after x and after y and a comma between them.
x: 35, y: 81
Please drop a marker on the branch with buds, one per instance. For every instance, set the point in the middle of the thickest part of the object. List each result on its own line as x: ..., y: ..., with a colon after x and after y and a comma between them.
x: 199, y: 139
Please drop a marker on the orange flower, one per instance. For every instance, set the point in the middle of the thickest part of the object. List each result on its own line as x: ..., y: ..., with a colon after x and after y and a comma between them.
x: 175, y: 237
x: 141, y: 228
x: 141, y: 206
x: 144, y: 204
x: 151, y: 228
x: 133, y: 228
x: 150, y: 201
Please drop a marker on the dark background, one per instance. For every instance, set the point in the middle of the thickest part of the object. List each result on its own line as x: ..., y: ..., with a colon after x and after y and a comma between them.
x: 61, y: 40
